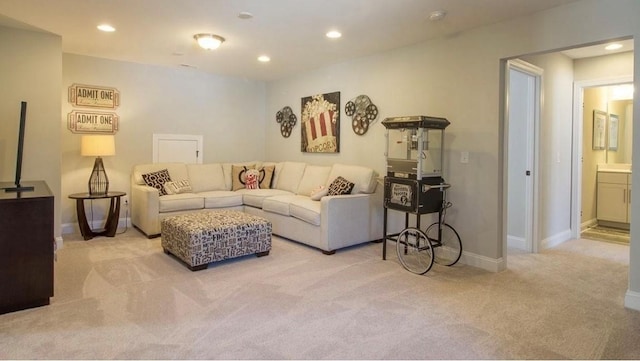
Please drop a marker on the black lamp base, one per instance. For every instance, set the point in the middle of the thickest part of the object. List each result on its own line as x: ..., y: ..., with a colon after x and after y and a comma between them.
x: 98, y: 182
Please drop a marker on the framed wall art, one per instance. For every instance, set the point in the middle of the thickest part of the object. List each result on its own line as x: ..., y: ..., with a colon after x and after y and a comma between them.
x: 599, y: 130
x: 320, y: 125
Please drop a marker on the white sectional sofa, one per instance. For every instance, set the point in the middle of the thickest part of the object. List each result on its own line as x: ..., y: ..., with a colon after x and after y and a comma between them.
x: 330, y: 223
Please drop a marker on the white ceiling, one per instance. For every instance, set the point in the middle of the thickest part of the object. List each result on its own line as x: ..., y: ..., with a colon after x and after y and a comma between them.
x: 291, y: 32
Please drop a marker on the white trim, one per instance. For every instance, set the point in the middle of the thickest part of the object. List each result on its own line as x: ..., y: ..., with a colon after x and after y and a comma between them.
x: 586, y: 225
x: 517, y: 242
x: 483, y: 262
x: 556, y: 239
x: 59, y: 242
x: 632, y: 300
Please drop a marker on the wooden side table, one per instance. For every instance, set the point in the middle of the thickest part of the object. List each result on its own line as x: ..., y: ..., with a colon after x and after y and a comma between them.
x: 111, y: 224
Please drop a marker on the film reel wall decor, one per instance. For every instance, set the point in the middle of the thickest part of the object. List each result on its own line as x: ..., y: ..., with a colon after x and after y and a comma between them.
x: 362, y: 112
x: 287, y: 121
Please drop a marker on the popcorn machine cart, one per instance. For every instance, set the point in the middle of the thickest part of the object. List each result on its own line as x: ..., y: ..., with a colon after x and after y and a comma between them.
x: 414, y: 185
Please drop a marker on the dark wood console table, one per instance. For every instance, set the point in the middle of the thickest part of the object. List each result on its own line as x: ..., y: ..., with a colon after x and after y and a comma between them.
x: 26, y: 247
x: 111, y: 224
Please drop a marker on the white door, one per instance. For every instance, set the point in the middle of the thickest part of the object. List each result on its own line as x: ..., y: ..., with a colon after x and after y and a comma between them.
x: 177, y: 148
x: 523, y: 113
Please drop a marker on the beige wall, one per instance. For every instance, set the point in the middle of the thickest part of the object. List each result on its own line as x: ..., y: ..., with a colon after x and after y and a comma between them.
x: 228, y: 112
x: 31, y: 70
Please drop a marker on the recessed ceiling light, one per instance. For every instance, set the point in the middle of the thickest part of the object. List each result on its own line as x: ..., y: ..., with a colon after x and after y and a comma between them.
x: 244, y: 15
x: 437, y: 15
x: 264, y: 59
x: 614, y: 46
x: 334, y: 34
x: 106, y: 28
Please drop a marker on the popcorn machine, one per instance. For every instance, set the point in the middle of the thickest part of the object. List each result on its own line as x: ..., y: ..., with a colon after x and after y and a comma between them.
x: 414, y: 184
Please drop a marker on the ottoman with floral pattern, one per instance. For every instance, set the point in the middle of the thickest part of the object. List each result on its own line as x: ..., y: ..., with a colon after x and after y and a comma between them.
x: 203, y: 237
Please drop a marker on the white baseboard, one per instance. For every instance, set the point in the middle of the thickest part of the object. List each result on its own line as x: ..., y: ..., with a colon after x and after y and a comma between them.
x: 59, y: 242
x: 68, y: 228
x: 516, y: 242
x: 483, y: 262
x: 632, y: 300
x: 556, y: 239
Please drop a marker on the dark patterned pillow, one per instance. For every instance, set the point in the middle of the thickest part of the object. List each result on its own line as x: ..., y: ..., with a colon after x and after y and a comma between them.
x: 340, y: 186
x: 157, y: 180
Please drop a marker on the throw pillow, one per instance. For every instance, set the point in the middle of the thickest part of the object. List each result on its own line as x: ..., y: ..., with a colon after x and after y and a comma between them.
x: 318, y: 193
x: 251, y: 179
x: 177, y: 187
x: 266, y: 175
x: 238, y: 175
x: 157, y: 180
x: 340, y: 186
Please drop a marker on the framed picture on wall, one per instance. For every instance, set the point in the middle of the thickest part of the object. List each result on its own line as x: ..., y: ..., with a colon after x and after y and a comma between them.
x: 613, y: 132
x: 321, y: 123
x: 599, y: 130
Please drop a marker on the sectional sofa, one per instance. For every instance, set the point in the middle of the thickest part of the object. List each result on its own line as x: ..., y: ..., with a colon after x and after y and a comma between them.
x: 294, y: 196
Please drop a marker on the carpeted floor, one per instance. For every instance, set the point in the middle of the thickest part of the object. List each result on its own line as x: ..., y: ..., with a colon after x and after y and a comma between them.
x: 606, y: 234
x: 123, y: 298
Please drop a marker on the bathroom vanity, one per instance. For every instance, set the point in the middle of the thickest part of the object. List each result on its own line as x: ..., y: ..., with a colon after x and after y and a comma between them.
x: 614, y: 194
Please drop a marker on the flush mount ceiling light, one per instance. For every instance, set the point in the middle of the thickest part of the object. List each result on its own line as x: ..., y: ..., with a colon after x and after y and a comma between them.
x: 209, y: 41
x: 333, y: 34
x: 437, y: 15
x: 106, y: 28
x: 264, y: 59
x: 614, y: 46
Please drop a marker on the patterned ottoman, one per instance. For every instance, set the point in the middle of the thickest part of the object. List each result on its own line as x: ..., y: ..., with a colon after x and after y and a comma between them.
x: 203, y: 237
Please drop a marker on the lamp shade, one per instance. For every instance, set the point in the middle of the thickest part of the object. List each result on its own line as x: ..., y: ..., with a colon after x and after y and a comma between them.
x: 97, y: 145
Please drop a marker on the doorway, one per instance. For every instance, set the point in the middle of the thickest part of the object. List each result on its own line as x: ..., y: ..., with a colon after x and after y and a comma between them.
x: 522, y: 118
x: 603, y: 159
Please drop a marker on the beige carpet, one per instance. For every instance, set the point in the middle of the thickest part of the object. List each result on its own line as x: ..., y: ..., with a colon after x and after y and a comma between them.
x: 122, y: 298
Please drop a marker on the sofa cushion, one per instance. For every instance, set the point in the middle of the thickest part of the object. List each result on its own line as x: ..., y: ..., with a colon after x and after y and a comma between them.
x: 176, y: 170
x: 181, y: 202
x: 364, y: 178
x: 255, y: 197
x: 290, y: 176
x: 239, y: 175
x: 313, y: 177
x: 206, y: 177
x: 177, y: 187
x: 340, y: 186
x: 278, y: 204
x: 304, y: 208
x: 221, y: 199
x: 157, y: 180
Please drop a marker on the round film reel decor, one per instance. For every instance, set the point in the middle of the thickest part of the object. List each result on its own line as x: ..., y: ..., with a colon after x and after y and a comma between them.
x: 287, y: 121
x: 362, y: 112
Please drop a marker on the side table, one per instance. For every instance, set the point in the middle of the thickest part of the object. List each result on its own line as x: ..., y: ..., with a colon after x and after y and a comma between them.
x: 111, y: 224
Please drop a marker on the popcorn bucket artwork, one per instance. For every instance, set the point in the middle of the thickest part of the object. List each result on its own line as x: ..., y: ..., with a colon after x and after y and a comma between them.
x: 321, y: 123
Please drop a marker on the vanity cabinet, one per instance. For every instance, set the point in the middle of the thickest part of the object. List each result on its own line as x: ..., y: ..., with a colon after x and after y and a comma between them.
x: 614, y: 197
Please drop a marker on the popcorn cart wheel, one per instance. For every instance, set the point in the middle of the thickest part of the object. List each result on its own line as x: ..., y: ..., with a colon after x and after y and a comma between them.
x: 439, y: 243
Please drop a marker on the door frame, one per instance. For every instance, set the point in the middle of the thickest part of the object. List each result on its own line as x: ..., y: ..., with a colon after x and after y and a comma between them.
x: 578, y: 122
x: 532, y: 194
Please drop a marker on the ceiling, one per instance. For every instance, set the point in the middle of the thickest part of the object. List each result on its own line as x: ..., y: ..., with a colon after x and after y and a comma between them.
x: 290, y: 32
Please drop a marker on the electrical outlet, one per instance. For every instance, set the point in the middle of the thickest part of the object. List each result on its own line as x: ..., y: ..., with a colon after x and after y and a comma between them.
x: 125, y: 200
x: 464, y: 157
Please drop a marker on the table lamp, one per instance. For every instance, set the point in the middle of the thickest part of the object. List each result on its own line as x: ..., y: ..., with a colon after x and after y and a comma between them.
x: 98, y: 146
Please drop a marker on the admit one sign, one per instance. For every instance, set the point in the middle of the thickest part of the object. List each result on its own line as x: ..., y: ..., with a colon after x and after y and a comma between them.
x: 79, y: 121
x: 93, y: 96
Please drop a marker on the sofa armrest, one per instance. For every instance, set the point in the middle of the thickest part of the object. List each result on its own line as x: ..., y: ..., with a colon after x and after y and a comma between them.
x: 345, y: 219
x: 145, y: 208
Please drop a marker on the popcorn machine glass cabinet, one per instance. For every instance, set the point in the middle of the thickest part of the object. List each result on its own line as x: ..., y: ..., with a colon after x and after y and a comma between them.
x: 410, y: 148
